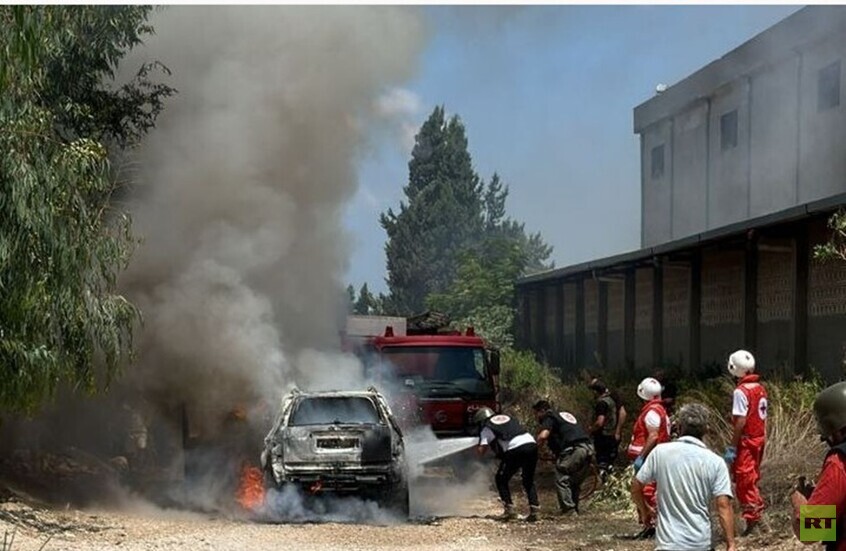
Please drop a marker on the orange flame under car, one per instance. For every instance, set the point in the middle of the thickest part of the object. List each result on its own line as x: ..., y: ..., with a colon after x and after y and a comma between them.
x: 251, y: 488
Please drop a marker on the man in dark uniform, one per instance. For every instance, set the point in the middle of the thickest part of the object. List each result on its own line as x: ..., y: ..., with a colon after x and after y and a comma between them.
x: 608, y: 417
x: 570, y: 444
x: 517, y: 451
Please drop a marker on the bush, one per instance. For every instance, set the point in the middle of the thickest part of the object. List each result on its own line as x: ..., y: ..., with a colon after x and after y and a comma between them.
x: 524, y: 381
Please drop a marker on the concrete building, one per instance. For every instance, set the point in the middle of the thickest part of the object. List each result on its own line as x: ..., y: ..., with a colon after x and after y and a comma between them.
x: 742, y: 163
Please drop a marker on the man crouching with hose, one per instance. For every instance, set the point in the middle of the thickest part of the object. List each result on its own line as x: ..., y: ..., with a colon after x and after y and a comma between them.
x: 517, y: 451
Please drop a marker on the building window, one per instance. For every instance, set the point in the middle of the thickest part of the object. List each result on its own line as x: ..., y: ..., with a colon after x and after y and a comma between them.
x: 658, y: 162
x: 728, y: 130
x: 828, y: 87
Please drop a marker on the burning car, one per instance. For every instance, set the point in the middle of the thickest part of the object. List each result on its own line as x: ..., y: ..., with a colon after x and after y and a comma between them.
x: 338, y: 442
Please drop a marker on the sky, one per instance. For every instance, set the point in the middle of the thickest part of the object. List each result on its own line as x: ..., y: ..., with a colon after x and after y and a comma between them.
x: 546, y: 95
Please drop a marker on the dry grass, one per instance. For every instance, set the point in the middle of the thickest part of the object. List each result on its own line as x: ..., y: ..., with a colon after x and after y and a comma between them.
x: 793, y: 444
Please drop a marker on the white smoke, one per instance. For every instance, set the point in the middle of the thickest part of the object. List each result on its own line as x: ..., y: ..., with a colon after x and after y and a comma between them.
x: 400, y: 108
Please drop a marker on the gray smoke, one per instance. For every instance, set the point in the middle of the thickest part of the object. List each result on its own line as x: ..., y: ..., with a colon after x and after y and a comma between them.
x: 241, y: 190
x: 237, y: 196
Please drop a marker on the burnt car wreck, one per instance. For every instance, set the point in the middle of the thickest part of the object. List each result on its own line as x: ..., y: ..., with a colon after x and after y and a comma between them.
x: 340, y: 443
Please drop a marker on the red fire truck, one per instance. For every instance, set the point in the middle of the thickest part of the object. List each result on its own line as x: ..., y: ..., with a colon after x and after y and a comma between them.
x: 439, y: 375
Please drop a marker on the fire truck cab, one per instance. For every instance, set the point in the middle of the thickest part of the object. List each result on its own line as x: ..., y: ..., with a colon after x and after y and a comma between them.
x: 440, y: 377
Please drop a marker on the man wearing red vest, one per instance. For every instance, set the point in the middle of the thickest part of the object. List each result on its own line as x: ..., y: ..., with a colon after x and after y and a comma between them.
x: 651, y: 428
x: 749, y: 419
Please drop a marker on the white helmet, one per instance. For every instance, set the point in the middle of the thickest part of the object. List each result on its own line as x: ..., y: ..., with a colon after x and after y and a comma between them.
x: 649, y: 389
x: 741, y: 363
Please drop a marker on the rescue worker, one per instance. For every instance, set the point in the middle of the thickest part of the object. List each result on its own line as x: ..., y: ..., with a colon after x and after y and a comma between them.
x: 517, y: 451
x: 570, y: 444
x: 830, y: 411
x: 749, y: 419
x: 608, y: 418
x: 651, y: 428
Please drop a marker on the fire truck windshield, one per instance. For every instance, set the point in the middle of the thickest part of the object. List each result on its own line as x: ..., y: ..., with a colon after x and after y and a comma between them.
x: 460, y: 368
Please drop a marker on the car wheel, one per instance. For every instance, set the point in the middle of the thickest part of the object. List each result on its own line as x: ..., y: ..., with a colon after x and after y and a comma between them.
x: 398, y: 500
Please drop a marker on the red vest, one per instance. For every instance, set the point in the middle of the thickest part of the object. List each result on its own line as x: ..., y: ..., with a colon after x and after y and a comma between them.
x: 640, y: 433
x: 756, y: 398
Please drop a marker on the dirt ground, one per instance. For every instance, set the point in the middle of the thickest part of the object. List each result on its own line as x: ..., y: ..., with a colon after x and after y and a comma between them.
x: 144, y: 527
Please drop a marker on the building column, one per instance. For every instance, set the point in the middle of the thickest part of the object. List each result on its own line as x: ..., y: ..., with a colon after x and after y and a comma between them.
x: 559, y: 324
x: 657, y: 313
x: 540, y: 321
x: 629, y: 319
x: 580, y: 324
x: 750, y: 295
x: 602, y: 321
x: 800, y: 301
x: 695, y: 314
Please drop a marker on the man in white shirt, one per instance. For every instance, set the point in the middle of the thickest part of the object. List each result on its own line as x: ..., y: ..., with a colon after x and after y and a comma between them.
x: 517, y: 451
x: 689, y: 476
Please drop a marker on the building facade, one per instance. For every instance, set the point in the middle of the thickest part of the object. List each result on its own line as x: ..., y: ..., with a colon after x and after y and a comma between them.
x: 742, y: 163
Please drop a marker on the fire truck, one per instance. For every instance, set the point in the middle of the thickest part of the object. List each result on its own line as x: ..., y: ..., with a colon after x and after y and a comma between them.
x: 434, y: 375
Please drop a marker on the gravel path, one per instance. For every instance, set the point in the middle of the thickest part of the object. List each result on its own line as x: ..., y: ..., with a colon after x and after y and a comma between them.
x: 143, y: 527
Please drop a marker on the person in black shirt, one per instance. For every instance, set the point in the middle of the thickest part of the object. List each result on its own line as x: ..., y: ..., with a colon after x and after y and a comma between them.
x: 608, y: 418
x: 573, y: 452
x: 517, y: 451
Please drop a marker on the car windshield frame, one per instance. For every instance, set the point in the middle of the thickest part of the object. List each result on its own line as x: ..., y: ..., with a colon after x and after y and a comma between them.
x: 353, y: 413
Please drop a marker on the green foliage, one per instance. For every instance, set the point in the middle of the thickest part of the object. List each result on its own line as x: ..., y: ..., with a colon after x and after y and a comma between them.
x: 615, y: 493
x: 493, y: 323
x: 534, y: 251
x: 442, y: 217
x: 350, y: 298
x: 483, y: 290
x: 365, y: 304
x: 523, y: 375
x: 835, y: 247
x: 452, y: 247
x: 62, y: 240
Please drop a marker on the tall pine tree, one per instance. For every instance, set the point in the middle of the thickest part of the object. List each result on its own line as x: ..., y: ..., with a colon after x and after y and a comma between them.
x: 535, y: 252
x: 366, y: 304
x: 443, y: 216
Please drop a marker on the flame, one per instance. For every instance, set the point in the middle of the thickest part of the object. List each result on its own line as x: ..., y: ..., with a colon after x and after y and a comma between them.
x: 251, y: 488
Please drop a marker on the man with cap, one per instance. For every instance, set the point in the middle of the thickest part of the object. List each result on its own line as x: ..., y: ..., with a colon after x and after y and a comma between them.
x: 517, y: 451
x: 830, y: 411
x: 570, y: 444
x: 651, y: 428
x: 749, y: 421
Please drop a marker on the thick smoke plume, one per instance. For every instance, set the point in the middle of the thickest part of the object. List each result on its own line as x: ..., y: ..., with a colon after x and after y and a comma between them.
x: 242, y: 187
x: 241, y: 193
x: 237, y: 196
